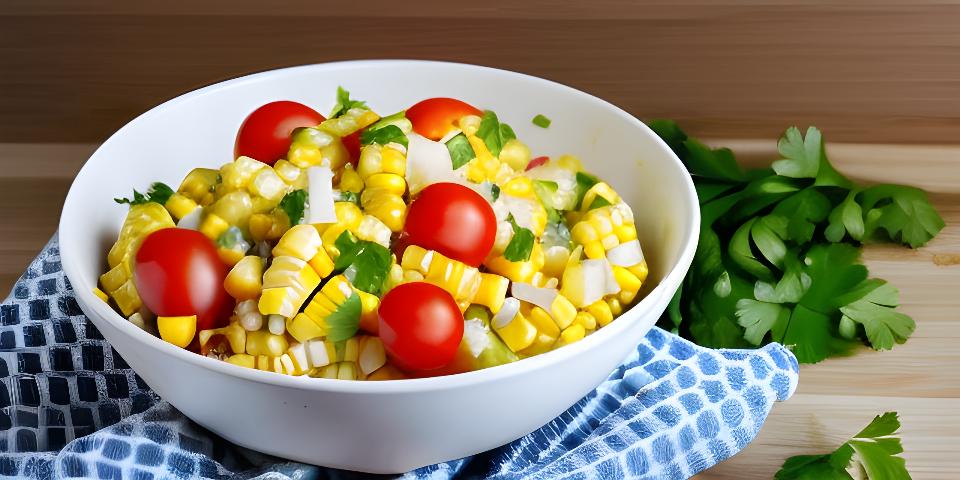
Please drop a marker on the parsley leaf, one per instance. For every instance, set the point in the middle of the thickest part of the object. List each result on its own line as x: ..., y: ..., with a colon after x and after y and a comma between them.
x: 158, y: 192
x: 541, y: 121
x: 904, y: 213
x: 293, y: 204
x: 521, y: 245
x: 584, y: 182
x: 366, y: 264
x: 874, y: 451
x: 757, y: 318
x: 493, y: 133
x: 345, y: 103
x: 875, y: 312
x: 804, y: 157
x: 718, y: 164
x: 460, y: 150
x: 846, y: 218
x: 383, y: 136
x: 345, y: 321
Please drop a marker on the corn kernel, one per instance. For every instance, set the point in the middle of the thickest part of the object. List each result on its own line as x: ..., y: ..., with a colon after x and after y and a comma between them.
x: 322, y: 263
x: 347, y: 371
x: 278, y: 301
x: 518, y: 333
x: 213, y: 226
x: 573, y: 333
x: 640, y: 270
x: 263, y: 342
x: 320, y: 353
x: 301, y: 241
x: 235, y: 335
x: 303, y: 328
x: 298, y: 358
x: 242, y: 360
x: 178, y: 330
x: 243, y: 282
x: 616, y: 308
x: 387, y: 183
x: 372, y: 355
x: 543, y: 322
x: 102, y: 296
x: 386, y: 372
x: 491, y: 292
x: 520, y: 186
x: 229, y: 256
x: 179, y: 205
x: 562, y: 311
x: 287, y: 171
x: 259, y: 226
x: 586, y: 320
x: 601, y: 311
x: 350, y: 181
x: 393, y: 161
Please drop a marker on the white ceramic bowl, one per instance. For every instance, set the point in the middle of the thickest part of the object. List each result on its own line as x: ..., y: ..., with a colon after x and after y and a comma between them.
x: 395, y: 426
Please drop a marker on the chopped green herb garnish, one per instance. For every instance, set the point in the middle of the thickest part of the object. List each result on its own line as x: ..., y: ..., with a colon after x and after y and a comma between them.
x: 158, y: 193
x: 541, y: 121
x: 366, y: 264
x: 345, y: 321
x: 584, y: 182
x: 460, y: 150
x: 493, y: 133
x: 545, y: 191
x: 383, y: 136
x: 599, y: 202
x: 293, y: 204
x: 521, y: 245
x: 345, y: 103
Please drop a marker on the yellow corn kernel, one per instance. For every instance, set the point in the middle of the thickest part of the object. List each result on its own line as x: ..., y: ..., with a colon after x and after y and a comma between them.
x: 616, y: 308
x: 601, y: 311
x: 371, y: 160
x: 127, y: 298
x: 586, y: 320
x: 373, y: 230
x: 259, y: 226
x: 329, y: 371
x: 515, y: 271
x: 625, y: 232
x: 601, y: 190
x: 387, y: 182
x: 389, y: 207
x: 102, y: 296
x: 393, y: 161
x: 329, y: 237
x: 348, y: 214
x: 626, y: 279
x: 300, y: 362
x: 520, y: 186
x: 583, y: 232
x: 491, y: 292
x: 350, y: 351
x: 264, y: 363
x: 179, y: 205
x: 301, y: 241
x: 116, y: 276
x: 369, y: 304
x: 469, y: 124
x: 350, y: 181
x: 319, y: 308
x: 573, y: 333
x: 322, y: 263
x: 640, y: 270
x: 229, y: 256
x: 562, y: 311
x: 351, y: 121
x: 387, y: 372
x: 244, y: 280
x: 287, y: 171
x: 262, y: 342
x: 543, y: 322
x: 518, y: 333
x: 242, y: 360
x: 178, y: 330
x: 303, y: 328
x: 198, y: 183
x: 278, y: 301
x: 626, y: 296
x: 213, y: 226
x: 475, y: 172
x: 347, y: 371
x: 338, y: 289
x: 480, y: 148
x: 320, y: 353
x: 516, y: 154
x: 235, y: 335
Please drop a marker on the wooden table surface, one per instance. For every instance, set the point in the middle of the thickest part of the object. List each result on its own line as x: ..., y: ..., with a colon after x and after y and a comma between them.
x: 882, y: 73
x: 836, y: 398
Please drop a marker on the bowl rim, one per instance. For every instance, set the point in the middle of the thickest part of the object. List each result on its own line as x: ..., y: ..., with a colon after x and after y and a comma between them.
x: 84, y: 290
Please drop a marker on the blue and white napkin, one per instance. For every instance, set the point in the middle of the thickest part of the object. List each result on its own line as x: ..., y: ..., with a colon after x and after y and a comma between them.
x: 70, y: 407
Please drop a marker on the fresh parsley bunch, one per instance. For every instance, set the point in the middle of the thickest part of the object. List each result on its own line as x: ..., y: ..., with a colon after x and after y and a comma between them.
x: 779, y: 258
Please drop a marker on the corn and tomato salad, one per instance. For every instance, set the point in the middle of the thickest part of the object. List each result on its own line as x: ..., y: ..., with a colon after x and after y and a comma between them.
x: 359, y: 247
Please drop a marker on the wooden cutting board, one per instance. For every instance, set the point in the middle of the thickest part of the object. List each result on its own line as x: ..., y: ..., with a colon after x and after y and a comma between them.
x: 835, y: 399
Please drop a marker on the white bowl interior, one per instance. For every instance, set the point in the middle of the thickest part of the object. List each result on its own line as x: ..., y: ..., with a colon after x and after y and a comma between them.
x: 198, y: 129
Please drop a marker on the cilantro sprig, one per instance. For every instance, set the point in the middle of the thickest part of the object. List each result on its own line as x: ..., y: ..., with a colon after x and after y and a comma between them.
x: 293, y: 204
x: 493, y: 133
x: 345, y: 103
x: 874, y: 452
x: 778, y: 257
x: 366, y: 264
x: 158, y: 192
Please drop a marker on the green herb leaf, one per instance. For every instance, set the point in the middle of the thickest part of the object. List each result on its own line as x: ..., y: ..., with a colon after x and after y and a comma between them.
x: 717, y: 164
x: 366, y: 264
x: 874, y: 451
x: 804, y: 157
x: 757, y: 318
x: 671, y: 133
x: 903, y: 213
x: 584, y: 182
x: 521, y: 245
x: 493, y: 133
x: 545, y: 191
x: 460, y: 150
x: 345, y: 322
x: 293, y: 204
x: 383, y: 136
x: 804, y: 210
x: 541, y: 121
x: 398, y: 119
x: 875, y: 311
x: 846, y: 218
x: 158, y: 193
x: 344, y: 103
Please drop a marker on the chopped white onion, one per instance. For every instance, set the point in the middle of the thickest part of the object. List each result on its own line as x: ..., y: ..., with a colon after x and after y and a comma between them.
x: 428, y: 162
x: 191, y: 220
x: 541, y: 297
x: 520, y: 208
x: 320, y: 196
x: 626, y: 254
x: 476, y: 335
x: 588, y: 281
x: 509, y: 310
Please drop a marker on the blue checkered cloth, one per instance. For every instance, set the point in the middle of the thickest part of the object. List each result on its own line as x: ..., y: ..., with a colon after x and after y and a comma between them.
x: 72, y: 408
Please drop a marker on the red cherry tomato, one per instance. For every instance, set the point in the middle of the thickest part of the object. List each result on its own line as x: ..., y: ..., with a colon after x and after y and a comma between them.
x: 434, y: 117
x: 178, y: 272
x: 536, y: 162
x: 265, y: 133
x: 420, y: 326
x: 453, y: 220
x: 352, y: 144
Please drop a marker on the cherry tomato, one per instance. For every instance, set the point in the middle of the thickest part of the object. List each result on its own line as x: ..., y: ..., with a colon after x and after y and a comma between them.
x: 420, y: 326
x: 352, y: 144
x: 178, y: 272
x: 434, y: 117
x: 265, y: 133
x: 453, y: 220
x: 536, y: 162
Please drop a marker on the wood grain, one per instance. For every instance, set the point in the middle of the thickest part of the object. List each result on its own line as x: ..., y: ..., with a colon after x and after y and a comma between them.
x: 864, y: 71
x: 835, y: 398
